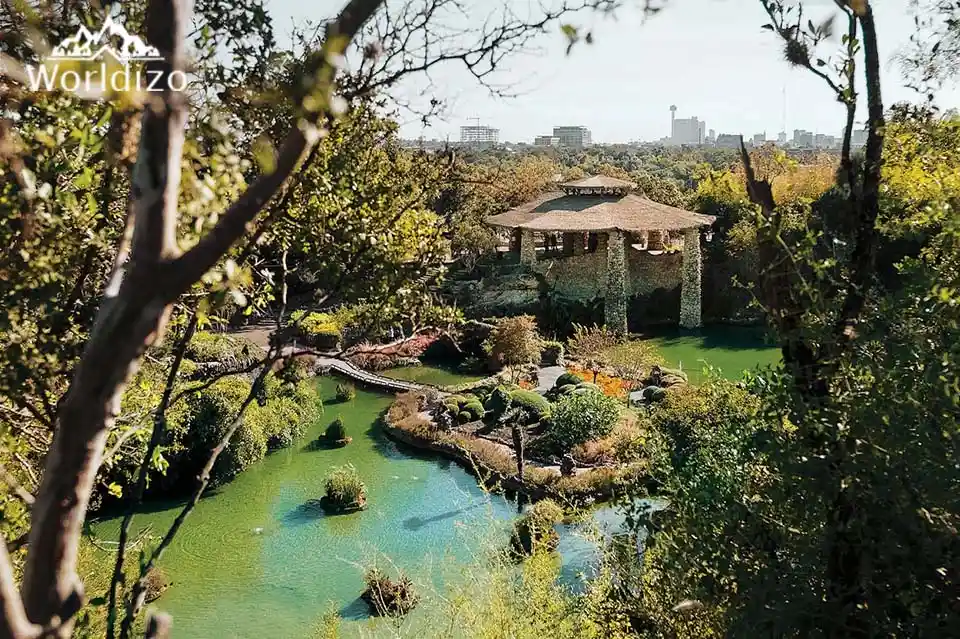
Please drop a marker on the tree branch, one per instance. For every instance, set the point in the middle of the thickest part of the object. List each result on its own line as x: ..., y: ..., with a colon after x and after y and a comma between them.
x: 14, y: 623
x: 322, y: 68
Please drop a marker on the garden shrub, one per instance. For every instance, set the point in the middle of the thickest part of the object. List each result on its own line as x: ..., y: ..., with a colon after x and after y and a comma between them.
x: 533, y: 404
x: 464, y: 417
x: 213, y: 410
x: 344, y: 490
x: 568, y: 378
x: 566, y: 389
x: 386, y: 596
x: 205, y: 346
x: 346, y: 392
x: 581, y: 417
x: 499, y: 401
x: 469, y: 404
x: 320, y: 330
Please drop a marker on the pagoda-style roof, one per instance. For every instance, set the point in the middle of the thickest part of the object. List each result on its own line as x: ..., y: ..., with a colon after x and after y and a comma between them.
x: 599, y: 182
x: 596, y: 213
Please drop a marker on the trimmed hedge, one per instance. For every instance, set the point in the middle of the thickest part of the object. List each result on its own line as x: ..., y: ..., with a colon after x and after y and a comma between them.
x: 535, y: 405
x: 568, y: 378
x: 469, y: 404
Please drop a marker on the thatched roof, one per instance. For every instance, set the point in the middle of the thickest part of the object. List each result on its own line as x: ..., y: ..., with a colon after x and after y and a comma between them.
x: 599, y: 182
x: 593, y: 213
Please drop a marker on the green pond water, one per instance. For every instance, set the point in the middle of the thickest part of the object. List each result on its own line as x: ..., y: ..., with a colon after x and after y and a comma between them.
x: 731, y: 349
x: 427, y: 374
x: 255, y: 559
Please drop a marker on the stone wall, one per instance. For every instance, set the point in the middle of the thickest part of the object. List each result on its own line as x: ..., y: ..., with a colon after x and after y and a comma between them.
x: 584, y: 276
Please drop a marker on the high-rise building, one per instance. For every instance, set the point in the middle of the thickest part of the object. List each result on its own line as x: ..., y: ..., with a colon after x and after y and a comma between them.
x: 728, y: 141
x: 782, y: 138
x: 546, y: 140
x: 686, y: 130
x: 479, y: 135
x: 712, y: 136
x: 575, y: 136
x: 759, y: 138
x: 803, y: 139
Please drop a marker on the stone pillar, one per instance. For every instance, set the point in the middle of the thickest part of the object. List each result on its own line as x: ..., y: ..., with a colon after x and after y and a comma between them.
x: 577, y: 243
x: 690, y: 293
x: 615, y: 298
x: 602, y: 240
x: 528, y: 247
x: 515, y: 240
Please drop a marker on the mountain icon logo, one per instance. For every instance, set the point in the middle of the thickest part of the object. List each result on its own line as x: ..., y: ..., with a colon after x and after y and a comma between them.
x: 112, y: 39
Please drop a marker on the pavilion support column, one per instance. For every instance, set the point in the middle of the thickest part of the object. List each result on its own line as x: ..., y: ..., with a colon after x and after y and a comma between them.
x: 515, y: 240
x: 528, y: 247
x: 578, y: 242
x: 615, y: 298
x: 690, y: 284
x: 568, y: 243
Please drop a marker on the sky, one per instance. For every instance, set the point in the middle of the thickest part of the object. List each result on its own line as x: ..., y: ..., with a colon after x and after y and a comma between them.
x: 710, y: 58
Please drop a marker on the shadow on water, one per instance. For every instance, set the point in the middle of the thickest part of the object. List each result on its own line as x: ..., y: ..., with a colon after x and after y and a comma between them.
x: 356, y: 610
x: 305, y: 513
x: 416, y: 523
x: 320, y: 443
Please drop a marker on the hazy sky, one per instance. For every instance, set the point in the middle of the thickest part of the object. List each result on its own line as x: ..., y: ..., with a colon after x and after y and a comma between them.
x: 708, y: 57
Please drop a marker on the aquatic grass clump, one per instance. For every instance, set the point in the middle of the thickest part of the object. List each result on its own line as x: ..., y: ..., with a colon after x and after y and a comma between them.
x: 389, y: 597
x: 344, y: 490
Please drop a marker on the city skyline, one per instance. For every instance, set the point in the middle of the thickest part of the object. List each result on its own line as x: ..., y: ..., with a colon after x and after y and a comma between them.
x: 712, y: 60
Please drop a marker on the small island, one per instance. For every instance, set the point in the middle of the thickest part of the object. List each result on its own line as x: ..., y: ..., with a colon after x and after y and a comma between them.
x: 345, y: 492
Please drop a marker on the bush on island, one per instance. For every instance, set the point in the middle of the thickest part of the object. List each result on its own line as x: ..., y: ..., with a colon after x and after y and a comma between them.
x: 346, y: 392
x: 336, y: 433
x: 386, y: 596
x: 344, y: 490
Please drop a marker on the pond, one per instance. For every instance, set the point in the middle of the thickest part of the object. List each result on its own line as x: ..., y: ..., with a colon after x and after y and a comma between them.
x: 431, y: 374
x: 255, y: 560
x: 732, y: 349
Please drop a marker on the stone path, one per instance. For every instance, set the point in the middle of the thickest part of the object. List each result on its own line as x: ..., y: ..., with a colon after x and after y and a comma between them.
x: 547, y: 377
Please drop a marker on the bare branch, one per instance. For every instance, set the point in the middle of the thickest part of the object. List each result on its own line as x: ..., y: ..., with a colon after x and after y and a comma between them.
x: 322, y: 67
x: 14, y: 623
x: 15, y: 486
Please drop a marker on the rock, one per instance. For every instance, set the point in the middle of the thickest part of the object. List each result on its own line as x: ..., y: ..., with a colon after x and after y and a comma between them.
x: 567, y: 465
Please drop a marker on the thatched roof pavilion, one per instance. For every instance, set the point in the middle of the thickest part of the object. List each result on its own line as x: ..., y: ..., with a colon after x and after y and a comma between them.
x: 605, y: 209
x: 559, y: 212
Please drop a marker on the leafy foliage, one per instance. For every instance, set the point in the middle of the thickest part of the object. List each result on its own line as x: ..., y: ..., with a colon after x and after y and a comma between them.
x: 515, y: 341
x: 581, y: 417
x: 344, y: 488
